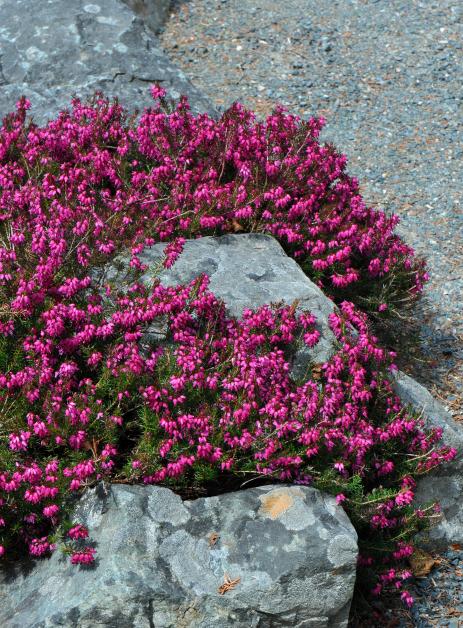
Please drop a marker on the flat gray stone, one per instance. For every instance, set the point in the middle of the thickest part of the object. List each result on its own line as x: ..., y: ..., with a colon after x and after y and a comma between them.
x: 291, y: 550
x: 52, y: 50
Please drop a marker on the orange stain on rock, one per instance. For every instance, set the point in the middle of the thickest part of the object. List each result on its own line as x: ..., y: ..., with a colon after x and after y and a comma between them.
x: 274, y: 505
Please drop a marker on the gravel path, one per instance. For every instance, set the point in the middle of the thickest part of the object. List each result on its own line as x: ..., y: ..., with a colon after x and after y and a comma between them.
x: 440, y: 595
x: 387, y: 75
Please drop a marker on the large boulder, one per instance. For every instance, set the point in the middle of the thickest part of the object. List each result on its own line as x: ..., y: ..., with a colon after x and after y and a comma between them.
x: 289, y: 551
x: 52, y: 50
x: 248, y: 270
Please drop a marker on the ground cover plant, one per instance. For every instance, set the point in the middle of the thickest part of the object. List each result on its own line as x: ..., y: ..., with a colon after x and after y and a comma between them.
x: 84, y: 398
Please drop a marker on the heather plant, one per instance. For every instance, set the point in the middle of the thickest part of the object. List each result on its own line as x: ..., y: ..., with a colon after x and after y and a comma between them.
x: 93, y: 181
x: 85, y: 397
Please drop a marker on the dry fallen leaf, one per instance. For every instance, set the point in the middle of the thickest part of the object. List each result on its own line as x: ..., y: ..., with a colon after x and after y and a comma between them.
x: 293, y: 306
x: 453, y: 612
x: 421, y: 563
x: 228, y: 584
x: 236, y: 226
x: 213, y: 538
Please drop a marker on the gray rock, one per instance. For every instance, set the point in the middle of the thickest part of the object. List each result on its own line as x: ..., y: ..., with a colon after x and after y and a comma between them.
x: 247, y: 271
x: 154, y: 13
x: 60, y: 48
x: 444, y: 485
x: 291, y: 550
x: 435, y: 415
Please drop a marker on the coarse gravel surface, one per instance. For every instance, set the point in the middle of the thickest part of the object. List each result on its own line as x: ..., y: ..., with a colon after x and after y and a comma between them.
x: 440, y: 594
x: 388, y: 76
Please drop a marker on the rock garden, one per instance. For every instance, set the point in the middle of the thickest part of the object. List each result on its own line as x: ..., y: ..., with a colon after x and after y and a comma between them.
x: 204, y: 419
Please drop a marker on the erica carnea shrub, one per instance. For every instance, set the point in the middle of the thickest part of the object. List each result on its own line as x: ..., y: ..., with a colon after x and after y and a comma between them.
x: 84, y: 397
x: 93, y: 181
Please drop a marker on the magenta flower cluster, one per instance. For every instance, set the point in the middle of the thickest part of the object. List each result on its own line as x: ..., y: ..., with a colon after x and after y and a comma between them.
x: 85, y: 398
x: 90, y: 182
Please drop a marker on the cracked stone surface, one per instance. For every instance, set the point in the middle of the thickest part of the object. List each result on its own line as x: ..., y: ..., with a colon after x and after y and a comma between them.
x: 75, y: 47
x: 291, y: 550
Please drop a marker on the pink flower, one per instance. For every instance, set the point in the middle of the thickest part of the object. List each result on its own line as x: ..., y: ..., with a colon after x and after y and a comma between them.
x: 407, y: 598
x: 78, y: 532
x: 404, y: 498
x: 157, y: 92
x: 19, y: 442
x: 39, y: 547
x: 51, y: 511
x: 83, y: 557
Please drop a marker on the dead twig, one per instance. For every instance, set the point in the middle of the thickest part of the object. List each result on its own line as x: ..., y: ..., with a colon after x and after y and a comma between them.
x: 228, y: 584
